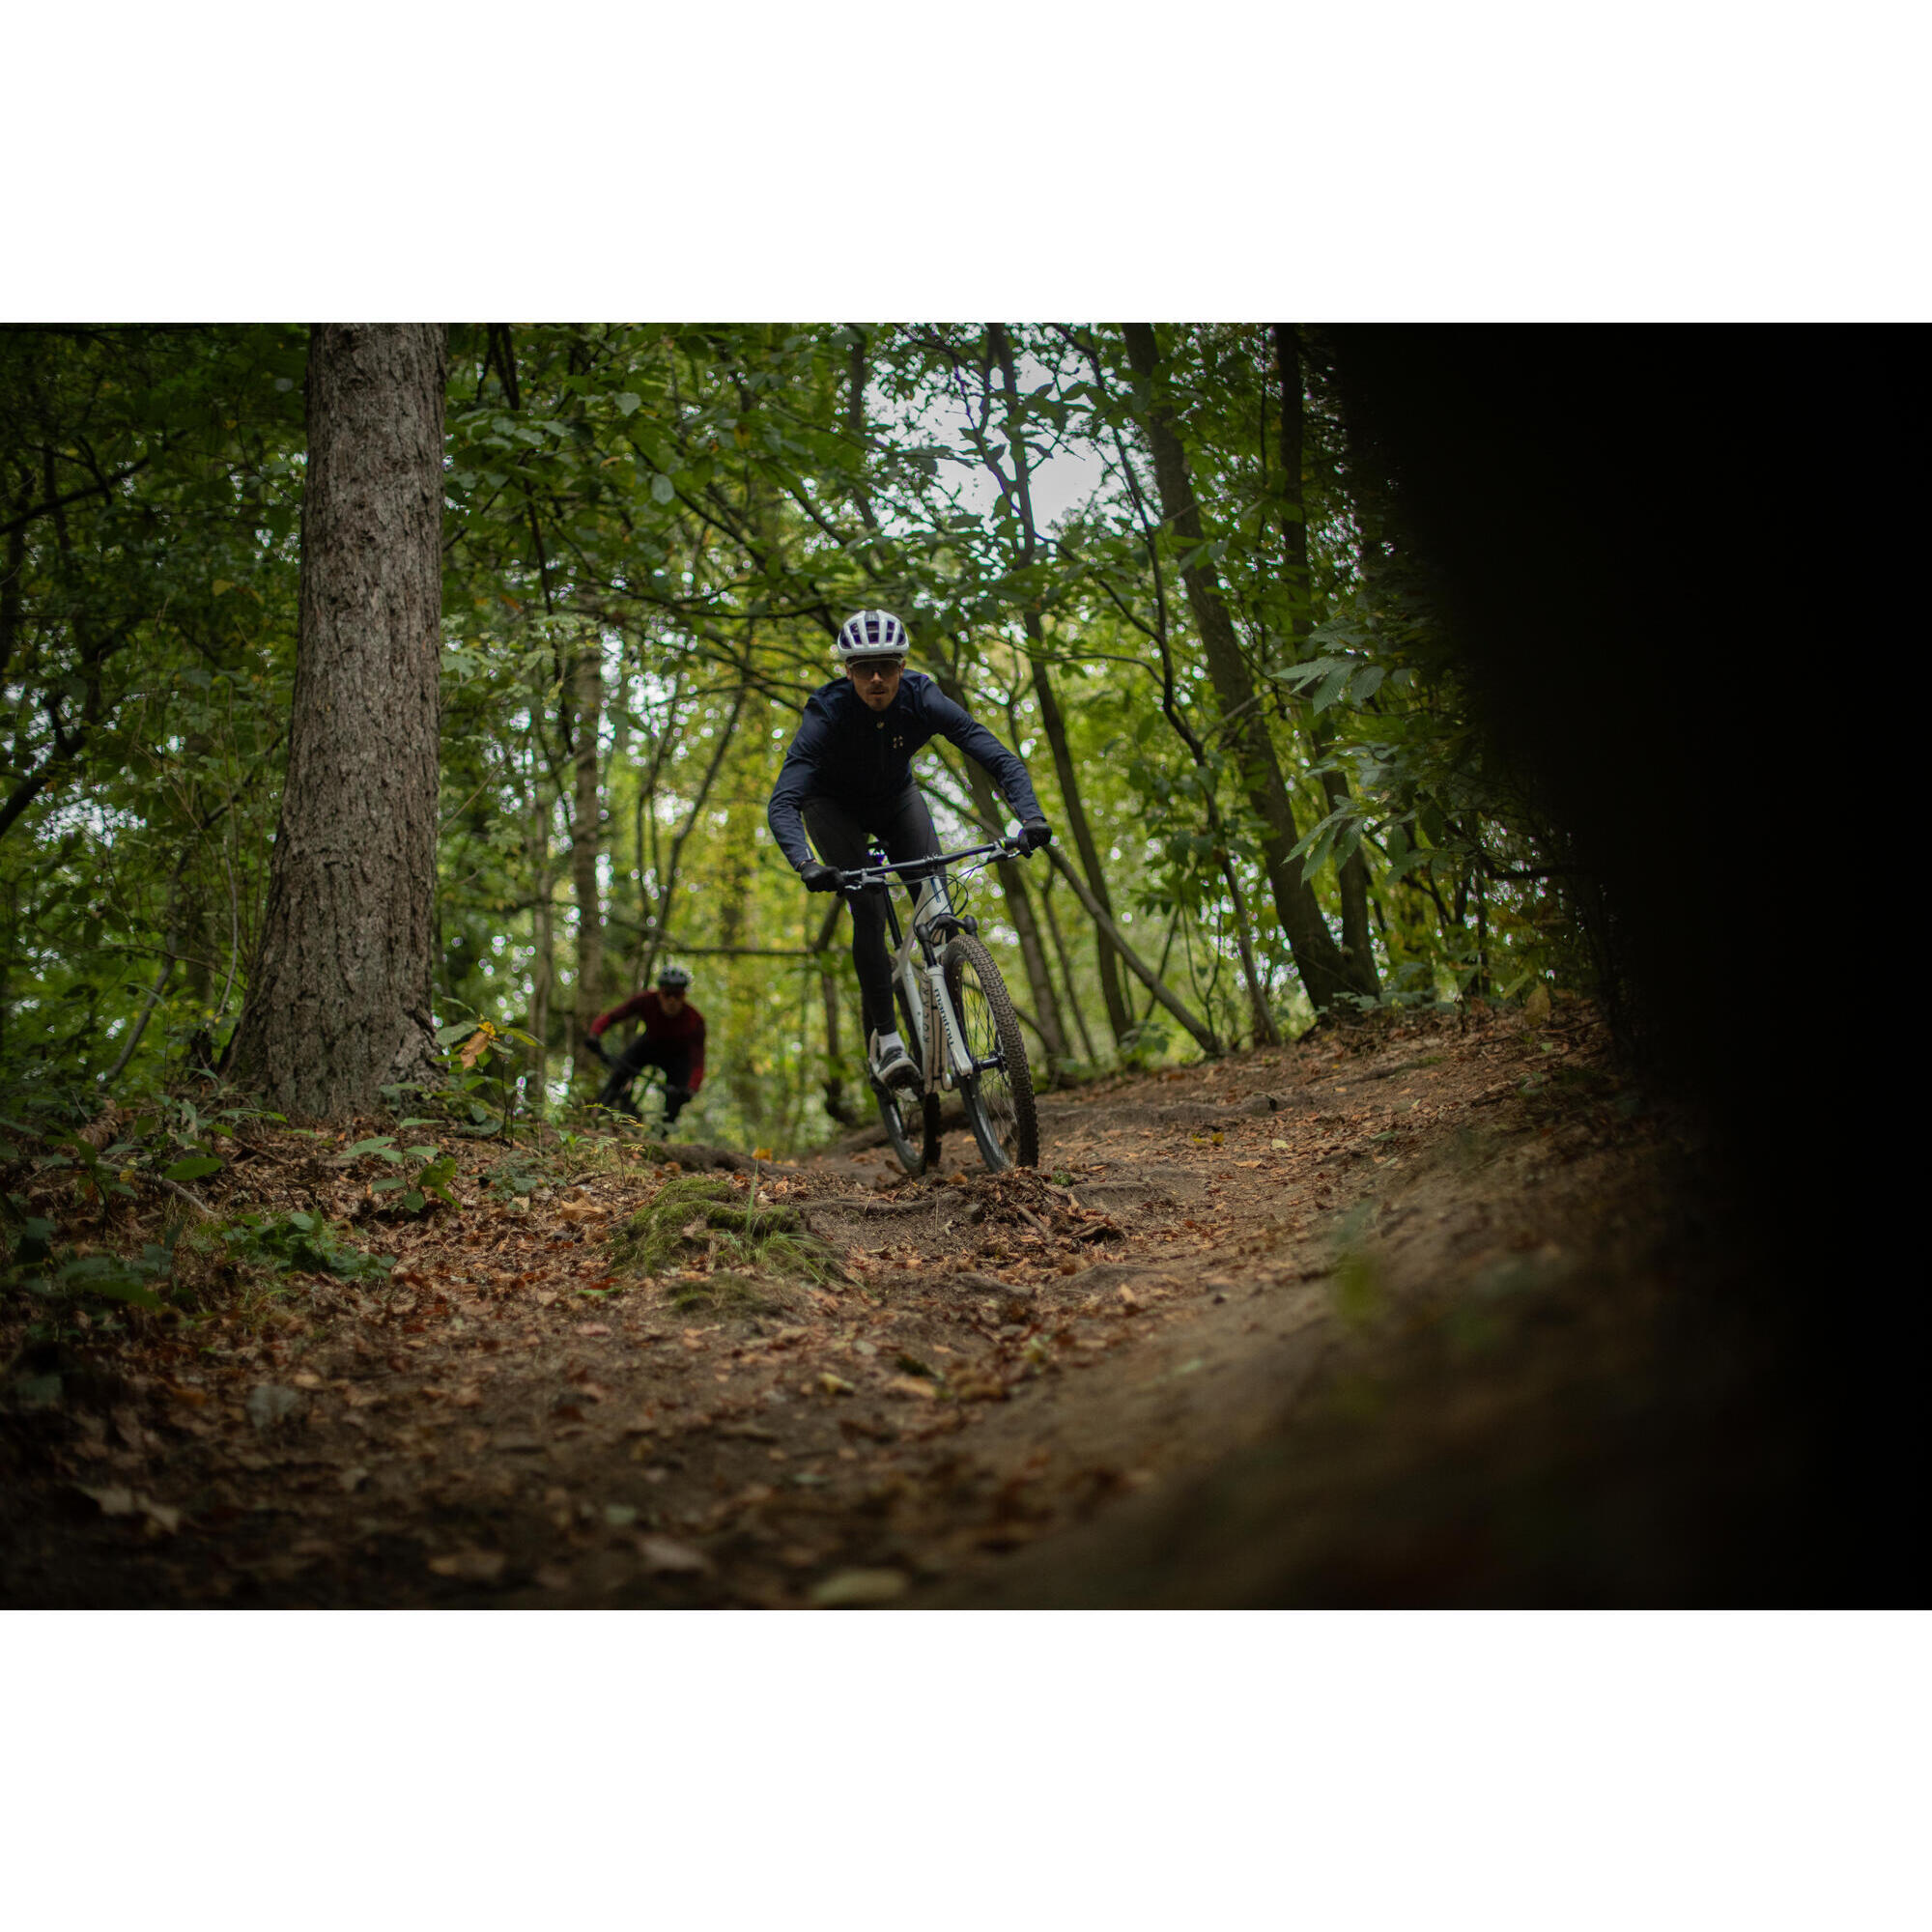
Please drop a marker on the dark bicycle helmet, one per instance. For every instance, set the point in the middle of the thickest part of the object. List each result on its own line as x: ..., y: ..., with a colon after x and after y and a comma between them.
x: 673, y: 978
x: 871, y: 634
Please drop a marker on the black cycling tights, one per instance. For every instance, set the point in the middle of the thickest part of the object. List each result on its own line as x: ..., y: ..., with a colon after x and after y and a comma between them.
x: 904, y: 828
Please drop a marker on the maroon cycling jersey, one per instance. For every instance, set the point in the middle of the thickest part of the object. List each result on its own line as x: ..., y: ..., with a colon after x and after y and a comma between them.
x: 687, y: 1030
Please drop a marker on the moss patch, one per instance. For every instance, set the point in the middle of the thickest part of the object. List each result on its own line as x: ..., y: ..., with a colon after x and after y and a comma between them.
x: 695, y: 1217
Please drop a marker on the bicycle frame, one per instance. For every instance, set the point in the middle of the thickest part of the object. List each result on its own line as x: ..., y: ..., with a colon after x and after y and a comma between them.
x: 940, y: 1047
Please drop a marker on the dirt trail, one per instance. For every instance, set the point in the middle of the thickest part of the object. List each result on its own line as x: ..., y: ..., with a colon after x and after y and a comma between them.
x: 1033, y: 1387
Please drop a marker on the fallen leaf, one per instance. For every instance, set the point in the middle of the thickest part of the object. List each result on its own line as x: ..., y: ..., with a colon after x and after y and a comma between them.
x: 1247, y: 1163
x: 307, y: 1379
x: 545, y: 1296
x: 911, y: 1385
x: 353, y: 1480
x: 582, y: 1211
x: 1281, y: 1144
x: 593, y: 1328
x: 833, y: 1384
x: 267, y: 1406
x: 112, y: 1501
x: 466, y: 1398
x: 1128, y: 1298
x: 115, y: 1501
x: 182, y: 1392
x: 858, y: 1589
x: 665, y: 1556
x: 472, y: 1566
x: 620, y: 1516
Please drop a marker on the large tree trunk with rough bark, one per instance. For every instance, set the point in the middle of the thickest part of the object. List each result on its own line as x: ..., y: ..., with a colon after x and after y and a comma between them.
x: 1325, y: 972
x: 339, y: 1000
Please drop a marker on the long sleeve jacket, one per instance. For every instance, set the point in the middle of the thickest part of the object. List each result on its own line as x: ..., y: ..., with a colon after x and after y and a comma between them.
x: 860, y: 758
x: 660, y: 1028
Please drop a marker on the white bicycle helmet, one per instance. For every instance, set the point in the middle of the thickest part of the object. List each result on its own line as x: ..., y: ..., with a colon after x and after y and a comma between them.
x: 871, y: 634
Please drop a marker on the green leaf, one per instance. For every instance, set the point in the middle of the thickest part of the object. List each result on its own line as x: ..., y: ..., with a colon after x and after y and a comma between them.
x: 663, y: 489
x: 627, y: 401
x: 384, y: 1186
x: 381, y: 1144
x: 193, y: 1167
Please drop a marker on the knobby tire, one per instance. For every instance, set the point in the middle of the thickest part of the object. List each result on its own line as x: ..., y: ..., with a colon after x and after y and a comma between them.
x: 999, y: 1098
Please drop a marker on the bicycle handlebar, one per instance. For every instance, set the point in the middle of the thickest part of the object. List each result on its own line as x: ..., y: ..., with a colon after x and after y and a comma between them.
x: 862, y: 878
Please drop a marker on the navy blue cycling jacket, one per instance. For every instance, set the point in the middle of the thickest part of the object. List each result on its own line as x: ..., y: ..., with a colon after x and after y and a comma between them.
x: 862, y: 758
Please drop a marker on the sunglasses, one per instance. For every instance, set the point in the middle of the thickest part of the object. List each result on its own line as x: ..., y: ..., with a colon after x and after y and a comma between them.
x: 878, y: 667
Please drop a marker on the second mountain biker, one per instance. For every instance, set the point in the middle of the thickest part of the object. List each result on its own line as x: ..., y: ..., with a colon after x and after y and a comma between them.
x: 848, y: 775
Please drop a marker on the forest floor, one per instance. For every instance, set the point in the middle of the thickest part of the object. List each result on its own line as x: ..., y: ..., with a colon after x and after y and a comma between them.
x: 1389, y: 1315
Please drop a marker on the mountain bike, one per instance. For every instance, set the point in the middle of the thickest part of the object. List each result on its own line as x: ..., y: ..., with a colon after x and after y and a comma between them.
x: 959, y: 1023
x: 639, y: 1090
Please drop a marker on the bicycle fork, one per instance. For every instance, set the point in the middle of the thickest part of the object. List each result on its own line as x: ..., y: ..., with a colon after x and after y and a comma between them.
x: 943, y: 1056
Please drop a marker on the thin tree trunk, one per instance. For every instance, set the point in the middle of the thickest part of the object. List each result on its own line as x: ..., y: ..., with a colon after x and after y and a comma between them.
x: 661, y: 923
x: 1267, y: 1034
x: 587, y: 842
x: 1202, y: 1033
x: 1018, y: 903
x: 1352, y: 875
x: 1325, y: 972
x: 1051, y: 720
x: 1066, y: 972
x: 543, y: 935
x: 340, y: 1001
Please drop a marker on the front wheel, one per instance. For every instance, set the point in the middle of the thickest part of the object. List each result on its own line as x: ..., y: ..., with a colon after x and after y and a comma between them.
x: 998, y: 1097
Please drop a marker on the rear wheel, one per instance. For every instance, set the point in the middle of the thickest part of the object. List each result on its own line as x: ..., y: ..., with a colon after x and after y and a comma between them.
x: 999, y: 1097
x: 899, y: 1110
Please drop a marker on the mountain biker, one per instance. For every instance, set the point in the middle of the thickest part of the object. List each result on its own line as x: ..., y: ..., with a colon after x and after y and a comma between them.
x: 671, y: 1037
x: 849, y: 774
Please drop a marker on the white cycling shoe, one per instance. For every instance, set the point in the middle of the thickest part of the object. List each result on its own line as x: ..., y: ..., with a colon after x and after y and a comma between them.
x: 890, y: 1063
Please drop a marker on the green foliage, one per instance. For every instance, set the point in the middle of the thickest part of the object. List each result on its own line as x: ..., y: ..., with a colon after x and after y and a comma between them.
x: 688, y: 510
x: 301, y: 1243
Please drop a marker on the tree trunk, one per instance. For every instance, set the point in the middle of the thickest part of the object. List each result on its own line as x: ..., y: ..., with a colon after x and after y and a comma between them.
x: 1324, y: 971
x: 1352, y: 875
x: 543, y: 938
x: 1202, y: 1033
x: 1073, y: 1005
x: 1051, y: 720
x: 339, y: 999
x: 587, y: 842
x: 1018, y: 903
